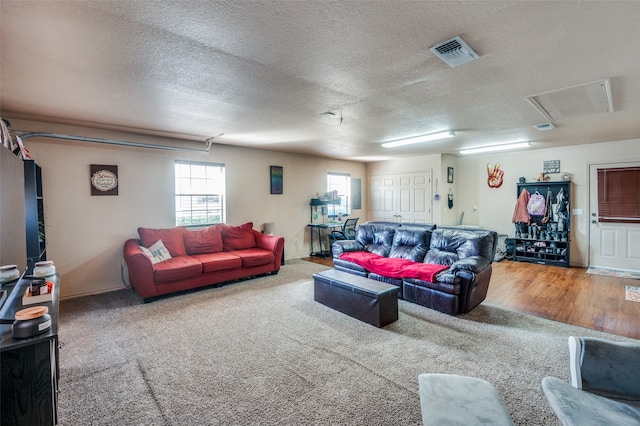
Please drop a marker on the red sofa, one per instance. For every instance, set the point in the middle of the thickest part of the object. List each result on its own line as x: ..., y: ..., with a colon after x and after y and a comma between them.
x: 217, y: 254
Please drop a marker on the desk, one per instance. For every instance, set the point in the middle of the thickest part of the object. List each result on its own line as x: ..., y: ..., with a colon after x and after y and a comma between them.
x: 320, y: 230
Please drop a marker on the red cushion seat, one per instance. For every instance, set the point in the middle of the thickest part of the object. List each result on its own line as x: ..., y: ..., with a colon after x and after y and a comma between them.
x: 254, y: 256
x: 177, y: 268
x: 220, y: 261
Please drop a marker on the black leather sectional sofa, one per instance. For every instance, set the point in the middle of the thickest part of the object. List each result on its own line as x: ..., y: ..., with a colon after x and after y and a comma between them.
x: 468, y: 253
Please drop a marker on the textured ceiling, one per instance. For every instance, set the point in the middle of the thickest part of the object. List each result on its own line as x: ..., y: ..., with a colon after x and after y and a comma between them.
x: 328, y: 78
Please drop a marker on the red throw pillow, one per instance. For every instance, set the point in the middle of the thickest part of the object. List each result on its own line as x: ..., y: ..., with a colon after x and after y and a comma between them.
x: 206, y: 240
x: 172, y: 239
x: 238, y: 237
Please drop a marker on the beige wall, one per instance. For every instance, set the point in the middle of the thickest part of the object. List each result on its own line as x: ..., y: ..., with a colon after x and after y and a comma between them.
x: 13, y: 246
x: 85, y: 234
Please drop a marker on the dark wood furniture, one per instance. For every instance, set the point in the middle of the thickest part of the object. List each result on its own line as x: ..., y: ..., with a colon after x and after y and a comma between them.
x: 552, y: 247
x: 29, y: 367
x: 368, y: 300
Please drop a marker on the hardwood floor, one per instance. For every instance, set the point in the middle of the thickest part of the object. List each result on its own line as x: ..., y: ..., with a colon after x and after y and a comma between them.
x: 568, y: 295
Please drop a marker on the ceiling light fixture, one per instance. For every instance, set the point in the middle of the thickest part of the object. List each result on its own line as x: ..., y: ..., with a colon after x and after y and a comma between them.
x: 418, y: 139
x: 491, y: 148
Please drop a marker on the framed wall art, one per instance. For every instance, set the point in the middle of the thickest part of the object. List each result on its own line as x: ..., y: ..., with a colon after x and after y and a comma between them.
x: 449, y: 174
x: 104, y: 179
x: 276, y: 179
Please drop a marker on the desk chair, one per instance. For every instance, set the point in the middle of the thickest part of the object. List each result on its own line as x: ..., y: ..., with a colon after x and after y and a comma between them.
x: 348, y: 231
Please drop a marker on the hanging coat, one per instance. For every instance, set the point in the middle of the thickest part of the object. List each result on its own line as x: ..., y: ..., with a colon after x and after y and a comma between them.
x: 520, y: 213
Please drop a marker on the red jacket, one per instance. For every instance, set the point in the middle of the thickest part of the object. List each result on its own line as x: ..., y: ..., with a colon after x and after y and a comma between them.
x: 520, y: 213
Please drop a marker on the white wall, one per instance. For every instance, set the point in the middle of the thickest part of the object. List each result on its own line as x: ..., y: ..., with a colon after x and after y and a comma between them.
x: 496, y: 205
x: 85, y: 234
x: 492, y: 208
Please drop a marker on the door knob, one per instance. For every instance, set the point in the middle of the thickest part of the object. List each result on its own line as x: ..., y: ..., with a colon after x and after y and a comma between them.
x: 593, y: 214
x: 594, y: 221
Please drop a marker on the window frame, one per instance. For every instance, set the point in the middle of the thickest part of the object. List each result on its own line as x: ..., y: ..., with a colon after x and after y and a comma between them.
x: 213, y: 186
x: 345, y: 199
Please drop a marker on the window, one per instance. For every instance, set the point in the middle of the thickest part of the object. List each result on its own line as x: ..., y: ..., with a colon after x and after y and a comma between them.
x: 200, y: 193
x: 340, y: 182
x: 618, y: 195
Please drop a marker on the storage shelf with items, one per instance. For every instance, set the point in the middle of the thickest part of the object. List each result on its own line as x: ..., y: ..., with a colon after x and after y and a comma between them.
x: 546, y: 238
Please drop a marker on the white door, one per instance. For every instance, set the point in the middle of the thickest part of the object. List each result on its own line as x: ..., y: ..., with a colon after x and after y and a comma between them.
x: 401, y: 197
x: 612, y: 245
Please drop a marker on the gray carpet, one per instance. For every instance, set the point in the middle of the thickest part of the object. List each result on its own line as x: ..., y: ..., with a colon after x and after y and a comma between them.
x: 262, y: 352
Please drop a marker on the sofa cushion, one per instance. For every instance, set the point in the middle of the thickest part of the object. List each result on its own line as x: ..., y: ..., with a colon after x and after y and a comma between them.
x: 220, y: 261
x: 376, y: 237
x: 206, y: 240
x: 177, y: 268
x: 465, y: 242
x: 254, y: 256
x: 157, y: 252
x: 410, y: 243
x: 440, y: 257
x: 238, y: 237
x: 172, y: 238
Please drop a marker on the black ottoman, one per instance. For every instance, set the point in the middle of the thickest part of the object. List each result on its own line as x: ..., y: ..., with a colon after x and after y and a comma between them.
x: 371, y: 301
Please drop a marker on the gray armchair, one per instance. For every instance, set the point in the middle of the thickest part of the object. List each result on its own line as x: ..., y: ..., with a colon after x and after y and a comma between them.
x: 605, y: 384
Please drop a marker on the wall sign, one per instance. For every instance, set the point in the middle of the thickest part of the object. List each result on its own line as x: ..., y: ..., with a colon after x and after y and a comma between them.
x: 104, y: 179
x: 551, y: 166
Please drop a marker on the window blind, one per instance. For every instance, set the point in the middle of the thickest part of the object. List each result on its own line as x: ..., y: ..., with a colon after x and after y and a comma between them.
x: 619, y: 195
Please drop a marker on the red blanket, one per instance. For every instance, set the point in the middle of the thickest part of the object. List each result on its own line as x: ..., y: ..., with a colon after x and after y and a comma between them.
x: 393, y: 267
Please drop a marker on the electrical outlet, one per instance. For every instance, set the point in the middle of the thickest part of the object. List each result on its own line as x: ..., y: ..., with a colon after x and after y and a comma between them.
x: 577, y: 212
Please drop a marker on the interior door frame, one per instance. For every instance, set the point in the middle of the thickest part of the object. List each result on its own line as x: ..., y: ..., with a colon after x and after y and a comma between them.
x: 612, y: 163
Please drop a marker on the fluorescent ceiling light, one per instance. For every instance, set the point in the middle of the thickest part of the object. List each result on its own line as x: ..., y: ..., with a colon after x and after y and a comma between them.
x: 492, y: 148
x: 418, y: 139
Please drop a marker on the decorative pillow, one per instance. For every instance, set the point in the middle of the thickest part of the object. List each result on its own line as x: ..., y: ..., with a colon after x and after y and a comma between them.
x: 238, y: 237
x: 157, y: 252
x: 206, y: 240
x: 172, y: 239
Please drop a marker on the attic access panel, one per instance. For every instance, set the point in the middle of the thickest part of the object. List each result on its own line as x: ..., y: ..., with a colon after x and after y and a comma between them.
x: 576, y: 101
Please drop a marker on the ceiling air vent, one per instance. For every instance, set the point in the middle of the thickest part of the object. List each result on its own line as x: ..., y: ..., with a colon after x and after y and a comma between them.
x: 454, y: 52
x: 544, y: 126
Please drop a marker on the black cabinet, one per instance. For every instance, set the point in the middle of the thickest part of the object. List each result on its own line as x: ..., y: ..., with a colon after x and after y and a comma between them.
x: 547, y: 239
x: 30, y: 368
x: 34, y: 214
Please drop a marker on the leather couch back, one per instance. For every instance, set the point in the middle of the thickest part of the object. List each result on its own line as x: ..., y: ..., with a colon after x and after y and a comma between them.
x: 410, y: 243
x: 376, y: 237
x: 449, y: 245
x: 426, y: 242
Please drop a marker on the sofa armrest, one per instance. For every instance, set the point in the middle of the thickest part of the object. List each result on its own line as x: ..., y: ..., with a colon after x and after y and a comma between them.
x: 345, y: 246
x: 475, y: 264
x: 271, y: 243
x: 140, y: 269
x: 605, y: 368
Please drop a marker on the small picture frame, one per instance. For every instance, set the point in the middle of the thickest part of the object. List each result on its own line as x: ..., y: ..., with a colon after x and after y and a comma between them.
x: 449, y: 174
x: 104, y: 179
x: 276, y: 179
